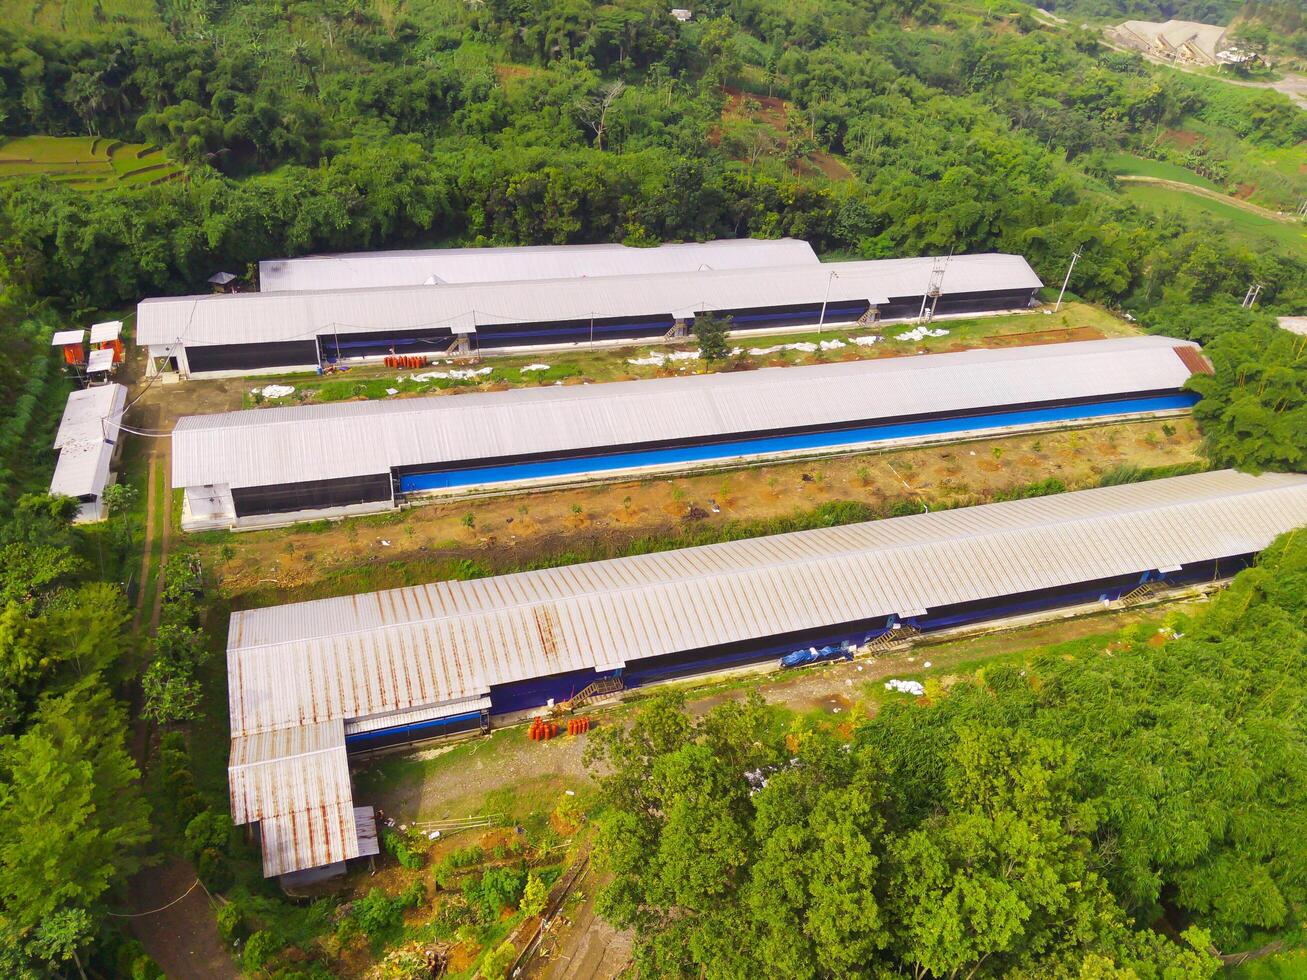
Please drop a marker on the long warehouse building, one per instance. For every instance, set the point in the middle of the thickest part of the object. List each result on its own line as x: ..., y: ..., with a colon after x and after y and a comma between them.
x: 441, y: 266
x: 311, y: 682
x: 278, y: 465
x: 248, y: 333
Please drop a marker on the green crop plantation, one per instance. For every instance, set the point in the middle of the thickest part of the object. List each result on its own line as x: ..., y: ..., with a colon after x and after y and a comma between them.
x: 1253, y: 229
x: 77, y: 18
x: 86, y: 162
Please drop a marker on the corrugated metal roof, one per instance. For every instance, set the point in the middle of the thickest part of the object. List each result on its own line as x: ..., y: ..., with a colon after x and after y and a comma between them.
x: 311, y: 662
x: 295, y: 784
x: 85, y: 440
x: 297, y: 672
x: 418, y: 267
x: 396, y: 719
x: 265, y: 447
x: 104, y: 332
x: 253, y: 318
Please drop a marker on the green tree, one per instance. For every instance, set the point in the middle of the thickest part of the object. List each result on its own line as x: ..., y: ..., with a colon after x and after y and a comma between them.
x: 711, y: 332
x: 71, y: 821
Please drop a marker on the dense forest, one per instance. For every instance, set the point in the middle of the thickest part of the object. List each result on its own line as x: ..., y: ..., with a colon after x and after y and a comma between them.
x: 1056, y: 818
x: 1032, y: 822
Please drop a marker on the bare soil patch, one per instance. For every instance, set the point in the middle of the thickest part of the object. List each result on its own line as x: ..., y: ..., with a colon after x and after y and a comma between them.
x: 420, y: 544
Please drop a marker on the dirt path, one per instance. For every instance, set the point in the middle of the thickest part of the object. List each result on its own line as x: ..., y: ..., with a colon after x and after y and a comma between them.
x: 1234, y: 202
x: 182, y: 937
x: 148, y: 546
x: 586, y: 947
x: 511, y: 760
x: 163, y: 458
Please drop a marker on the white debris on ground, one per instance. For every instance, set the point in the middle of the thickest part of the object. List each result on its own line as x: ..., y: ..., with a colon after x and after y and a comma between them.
x: 802, y: 346
x: 273, y: 391
x: 458, y: 374
x: 658, y: 359
x: 926, y: 664
x: 832, y: 344
x: 392, y: 391
x: 905, y: 687
x: 866, y: 341
x: 921, y: 333
x: 534, y: 367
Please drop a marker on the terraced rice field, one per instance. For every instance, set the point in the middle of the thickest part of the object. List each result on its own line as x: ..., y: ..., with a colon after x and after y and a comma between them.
x: 86, y: 162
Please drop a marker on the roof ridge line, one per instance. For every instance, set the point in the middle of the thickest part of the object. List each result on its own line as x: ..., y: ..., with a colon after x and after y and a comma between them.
x: 754, y: 568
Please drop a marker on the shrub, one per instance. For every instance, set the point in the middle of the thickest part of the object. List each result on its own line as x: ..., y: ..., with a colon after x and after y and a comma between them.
x: 534, y: 896
x: 209, y: 830
x: 494, y: 891
x: 398, y: 847
x: 231, y: 922
x: 496, y: 965
x: 261, y: 947
x: 380, y: 916
x: 377, y: 914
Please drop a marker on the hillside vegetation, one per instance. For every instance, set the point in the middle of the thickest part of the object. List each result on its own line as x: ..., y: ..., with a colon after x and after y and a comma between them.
x: 1105, y: 813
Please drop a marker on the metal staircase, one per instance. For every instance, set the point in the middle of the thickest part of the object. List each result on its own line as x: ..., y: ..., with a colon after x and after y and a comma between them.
x: 1141, y: 594
x: 893, y: 639
x: 597, y: 689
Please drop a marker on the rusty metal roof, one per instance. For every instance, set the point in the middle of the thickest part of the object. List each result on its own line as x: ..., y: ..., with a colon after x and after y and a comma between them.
x: 297, y: 673
x: 294, y: 782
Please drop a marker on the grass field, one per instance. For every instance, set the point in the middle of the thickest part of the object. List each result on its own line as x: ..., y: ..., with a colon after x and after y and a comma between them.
x: 1255, y: 230
x: 81, y: 18
x: 1125, y: 164
x: 1076, y: 321
x: 86, y: 162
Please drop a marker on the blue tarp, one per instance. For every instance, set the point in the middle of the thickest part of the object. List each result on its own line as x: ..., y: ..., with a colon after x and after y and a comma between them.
x: 775, y: 444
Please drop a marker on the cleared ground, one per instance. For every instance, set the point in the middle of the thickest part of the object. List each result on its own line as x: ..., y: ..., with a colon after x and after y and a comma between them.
x: 464, y: 538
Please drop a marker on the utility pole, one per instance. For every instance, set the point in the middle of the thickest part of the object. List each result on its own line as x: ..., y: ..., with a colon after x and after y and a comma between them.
x: 1250, y: 297
x: 821, y: 321
x: 1075, y: 257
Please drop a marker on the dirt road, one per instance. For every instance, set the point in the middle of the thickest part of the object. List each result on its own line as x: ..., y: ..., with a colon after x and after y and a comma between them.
x: 1234, y: 202
x: 439, y: 788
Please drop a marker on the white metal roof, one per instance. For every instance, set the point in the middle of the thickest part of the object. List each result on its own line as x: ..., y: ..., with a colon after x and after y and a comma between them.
x: 85, y: 440
x: 311, y: 662
x: 253, y: 318
x: 100, y: 360
x: 297, y: 673
x: 265, y: 447
x: 62, y: 338
x: 418, y: 267
x: 103, y: 332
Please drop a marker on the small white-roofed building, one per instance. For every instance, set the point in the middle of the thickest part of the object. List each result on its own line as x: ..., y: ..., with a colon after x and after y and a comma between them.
x: 88, y: 440
x: 310, y: 682
x: 279, y: 465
